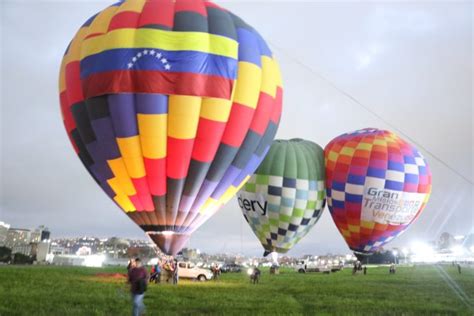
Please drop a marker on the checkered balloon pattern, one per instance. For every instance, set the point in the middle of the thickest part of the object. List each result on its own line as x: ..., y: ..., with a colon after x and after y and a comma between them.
x: 170, y: 105
x: 285, y: 197
x: 377, y: 185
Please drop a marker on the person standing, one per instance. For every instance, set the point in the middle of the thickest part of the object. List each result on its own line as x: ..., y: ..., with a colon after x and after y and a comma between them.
x: 459, y: 268
x: 175, y: 273
x: 365, y: 270
x: 137, y: 277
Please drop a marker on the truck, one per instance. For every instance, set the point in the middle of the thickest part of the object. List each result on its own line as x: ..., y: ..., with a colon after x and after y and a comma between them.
x: 188, y: 270
x: 304, y: 266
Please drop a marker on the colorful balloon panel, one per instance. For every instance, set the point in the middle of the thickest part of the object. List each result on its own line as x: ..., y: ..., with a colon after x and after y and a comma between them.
x: 377, y: 185
x: 285, y: 197
x: 170, y: 105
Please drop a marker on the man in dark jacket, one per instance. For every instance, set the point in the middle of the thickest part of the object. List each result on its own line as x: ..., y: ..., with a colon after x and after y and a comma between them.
x: 137, y: 277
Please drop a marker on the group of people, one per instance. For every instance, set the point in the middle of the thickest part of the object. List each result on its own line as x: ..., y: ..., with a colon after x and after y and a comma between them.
x: 170, y: 267
x: 138, y: 279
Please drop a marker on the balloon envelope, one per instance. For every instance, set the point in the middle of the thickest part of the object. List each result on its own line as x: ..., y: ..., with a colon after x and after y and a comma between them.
x: 285, y: 197
x: 377, y: 185
x: 170, y: 105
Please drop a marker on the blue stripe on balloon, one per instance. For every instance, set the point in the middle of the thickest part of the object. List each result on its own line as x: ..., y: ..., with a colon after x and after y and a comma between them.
x: 180, y: 61
x: 338, y: 186
x: 398, y: 166
x: 376, y: 173
x: 302, y: 194
x: 409, y: 159
x: 151, y: 103
x: 337, y: 204
x: 394, y: 185
x: 289, y: 183
x: 122, y: 111
x: 411, y: 178
x: 355, y: 179
x: 422, y: 170
x: 248, y: 47
x: 354, y: 198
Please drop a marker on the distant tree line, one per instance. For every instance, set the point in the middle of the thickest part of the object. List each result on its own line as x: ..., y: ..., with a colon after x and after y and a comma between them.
x: 380, y: 257
x: 6, y: 256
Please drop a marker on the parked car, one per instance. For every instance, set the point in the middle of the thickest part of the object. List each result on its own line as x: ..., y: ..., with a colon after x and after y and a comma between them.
x: 231, y: 267
x: 311, y: 266
x: 188, y: 270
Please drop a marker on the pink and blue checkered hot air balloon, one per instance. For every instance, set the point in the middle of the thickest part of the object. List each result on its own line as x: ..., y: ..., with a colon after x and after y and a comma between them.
x: 377, y: 185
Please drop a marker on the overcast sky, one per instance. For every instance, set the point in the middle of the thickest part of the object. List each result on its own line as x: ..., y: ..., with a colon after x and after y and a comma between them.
x: 406, y: 67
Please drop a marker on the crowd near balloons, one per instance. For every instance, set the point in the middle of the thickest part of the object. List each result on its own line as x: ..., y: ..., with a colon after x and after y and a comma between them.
x: 173, y: 107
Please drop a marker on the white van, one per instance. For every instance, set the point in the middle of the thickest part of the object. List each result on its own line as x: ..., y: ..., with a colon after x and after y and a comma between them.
x: 188, y: 270
x: 304, y: 266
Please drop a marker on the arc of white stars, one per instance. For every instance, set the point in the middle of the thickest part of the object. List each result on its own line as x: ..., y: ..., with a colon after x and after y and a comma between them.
x: 152, y: 52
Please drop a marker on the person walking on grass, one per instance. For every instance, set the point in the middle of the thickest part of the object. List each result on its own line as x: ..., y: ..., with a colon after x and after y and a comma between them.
x: 175, y: 273
x: 365, y: 270
x: 137, y: 277
x: 459, y: 268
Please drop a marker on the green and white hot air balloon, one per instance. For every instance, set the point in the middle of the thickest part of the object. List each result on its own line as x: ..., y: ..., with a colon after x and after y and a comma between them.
x: 285, y: 197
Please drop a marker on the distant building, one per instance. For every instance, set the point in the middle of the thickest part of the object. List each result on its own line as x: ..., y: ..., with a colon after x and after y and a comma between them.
x: 42, y: 251
x: 40, y: 234
x: 24, y: 249
x: 4, y: 227
x: 17, y: 237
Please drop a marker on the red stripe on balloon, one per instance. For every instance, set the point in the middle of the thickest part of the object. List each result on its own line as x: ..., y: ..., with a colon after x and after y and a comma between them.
x: 157, y: 12
x: 178, y: 157
x: 208, y: 137
x: 156, y: 175
x: 192, y: 6
x: 238, y: 125
x: 150, y: 81
x: 73, y: 83
x: 123, y: 20
x: 262, y: 113
x: 275, y: 117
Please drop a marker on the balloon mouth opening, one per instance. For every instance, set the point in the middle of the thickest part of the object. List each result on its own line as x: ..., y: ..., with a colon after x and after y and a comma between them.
x: 165, y: 233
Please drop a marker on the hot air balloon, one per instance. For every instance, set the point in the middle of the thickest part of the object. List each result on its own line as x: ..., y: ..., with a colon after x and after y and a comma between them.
x: 285, y: 197
x: 377, y: 185
x: 170, y: 105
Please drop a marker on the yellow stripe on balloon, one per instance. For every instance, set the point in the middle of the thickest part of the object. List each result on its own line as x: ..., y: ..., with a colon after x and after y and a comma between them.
x: 354, y: 229
x: 367, y: 224
x: 183, y: 116
x: 348, y: 151
x: 120, y: 172
x: 215, y: 109
x: 160, y: 39
x: 101, y: 22
x: 132, y: 155
x: 247, y: 90
x: 153, y: 129
x: 269, y: 76
x: 124, y: 202
x: 208, y: 206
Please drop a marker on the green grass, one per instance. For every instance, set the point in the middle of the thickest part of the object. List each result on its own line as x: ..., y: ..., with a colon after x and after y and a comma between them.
x: 49, y: 290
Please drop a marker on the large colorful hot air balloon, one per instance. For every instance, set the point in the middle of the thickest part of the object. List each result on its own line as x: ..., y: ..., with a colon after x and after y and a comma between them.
x: 170, y: 105
x: 377, y: 185
x: 285, y: 197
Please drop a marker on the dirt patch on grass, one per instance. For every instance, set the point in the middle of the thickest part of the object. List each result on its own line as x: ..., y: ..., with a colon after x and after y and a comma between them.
x: 119, y: 276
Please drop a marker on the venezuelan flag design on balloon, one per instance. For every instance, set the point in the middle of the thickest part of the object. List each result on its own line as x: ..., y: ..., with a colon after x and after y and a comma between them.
x: 171, y: 106
x: 377, y: 185
x: 285, y: 197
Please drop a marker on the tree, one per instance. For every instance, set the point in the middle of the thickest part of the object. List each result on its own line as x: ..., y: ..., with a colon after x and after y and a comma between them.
x: 5, y: 254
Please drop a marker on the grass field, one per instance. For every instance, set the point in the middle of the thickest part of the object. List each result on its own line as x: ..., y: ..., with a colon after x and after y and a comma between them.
x: 48, y: 290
